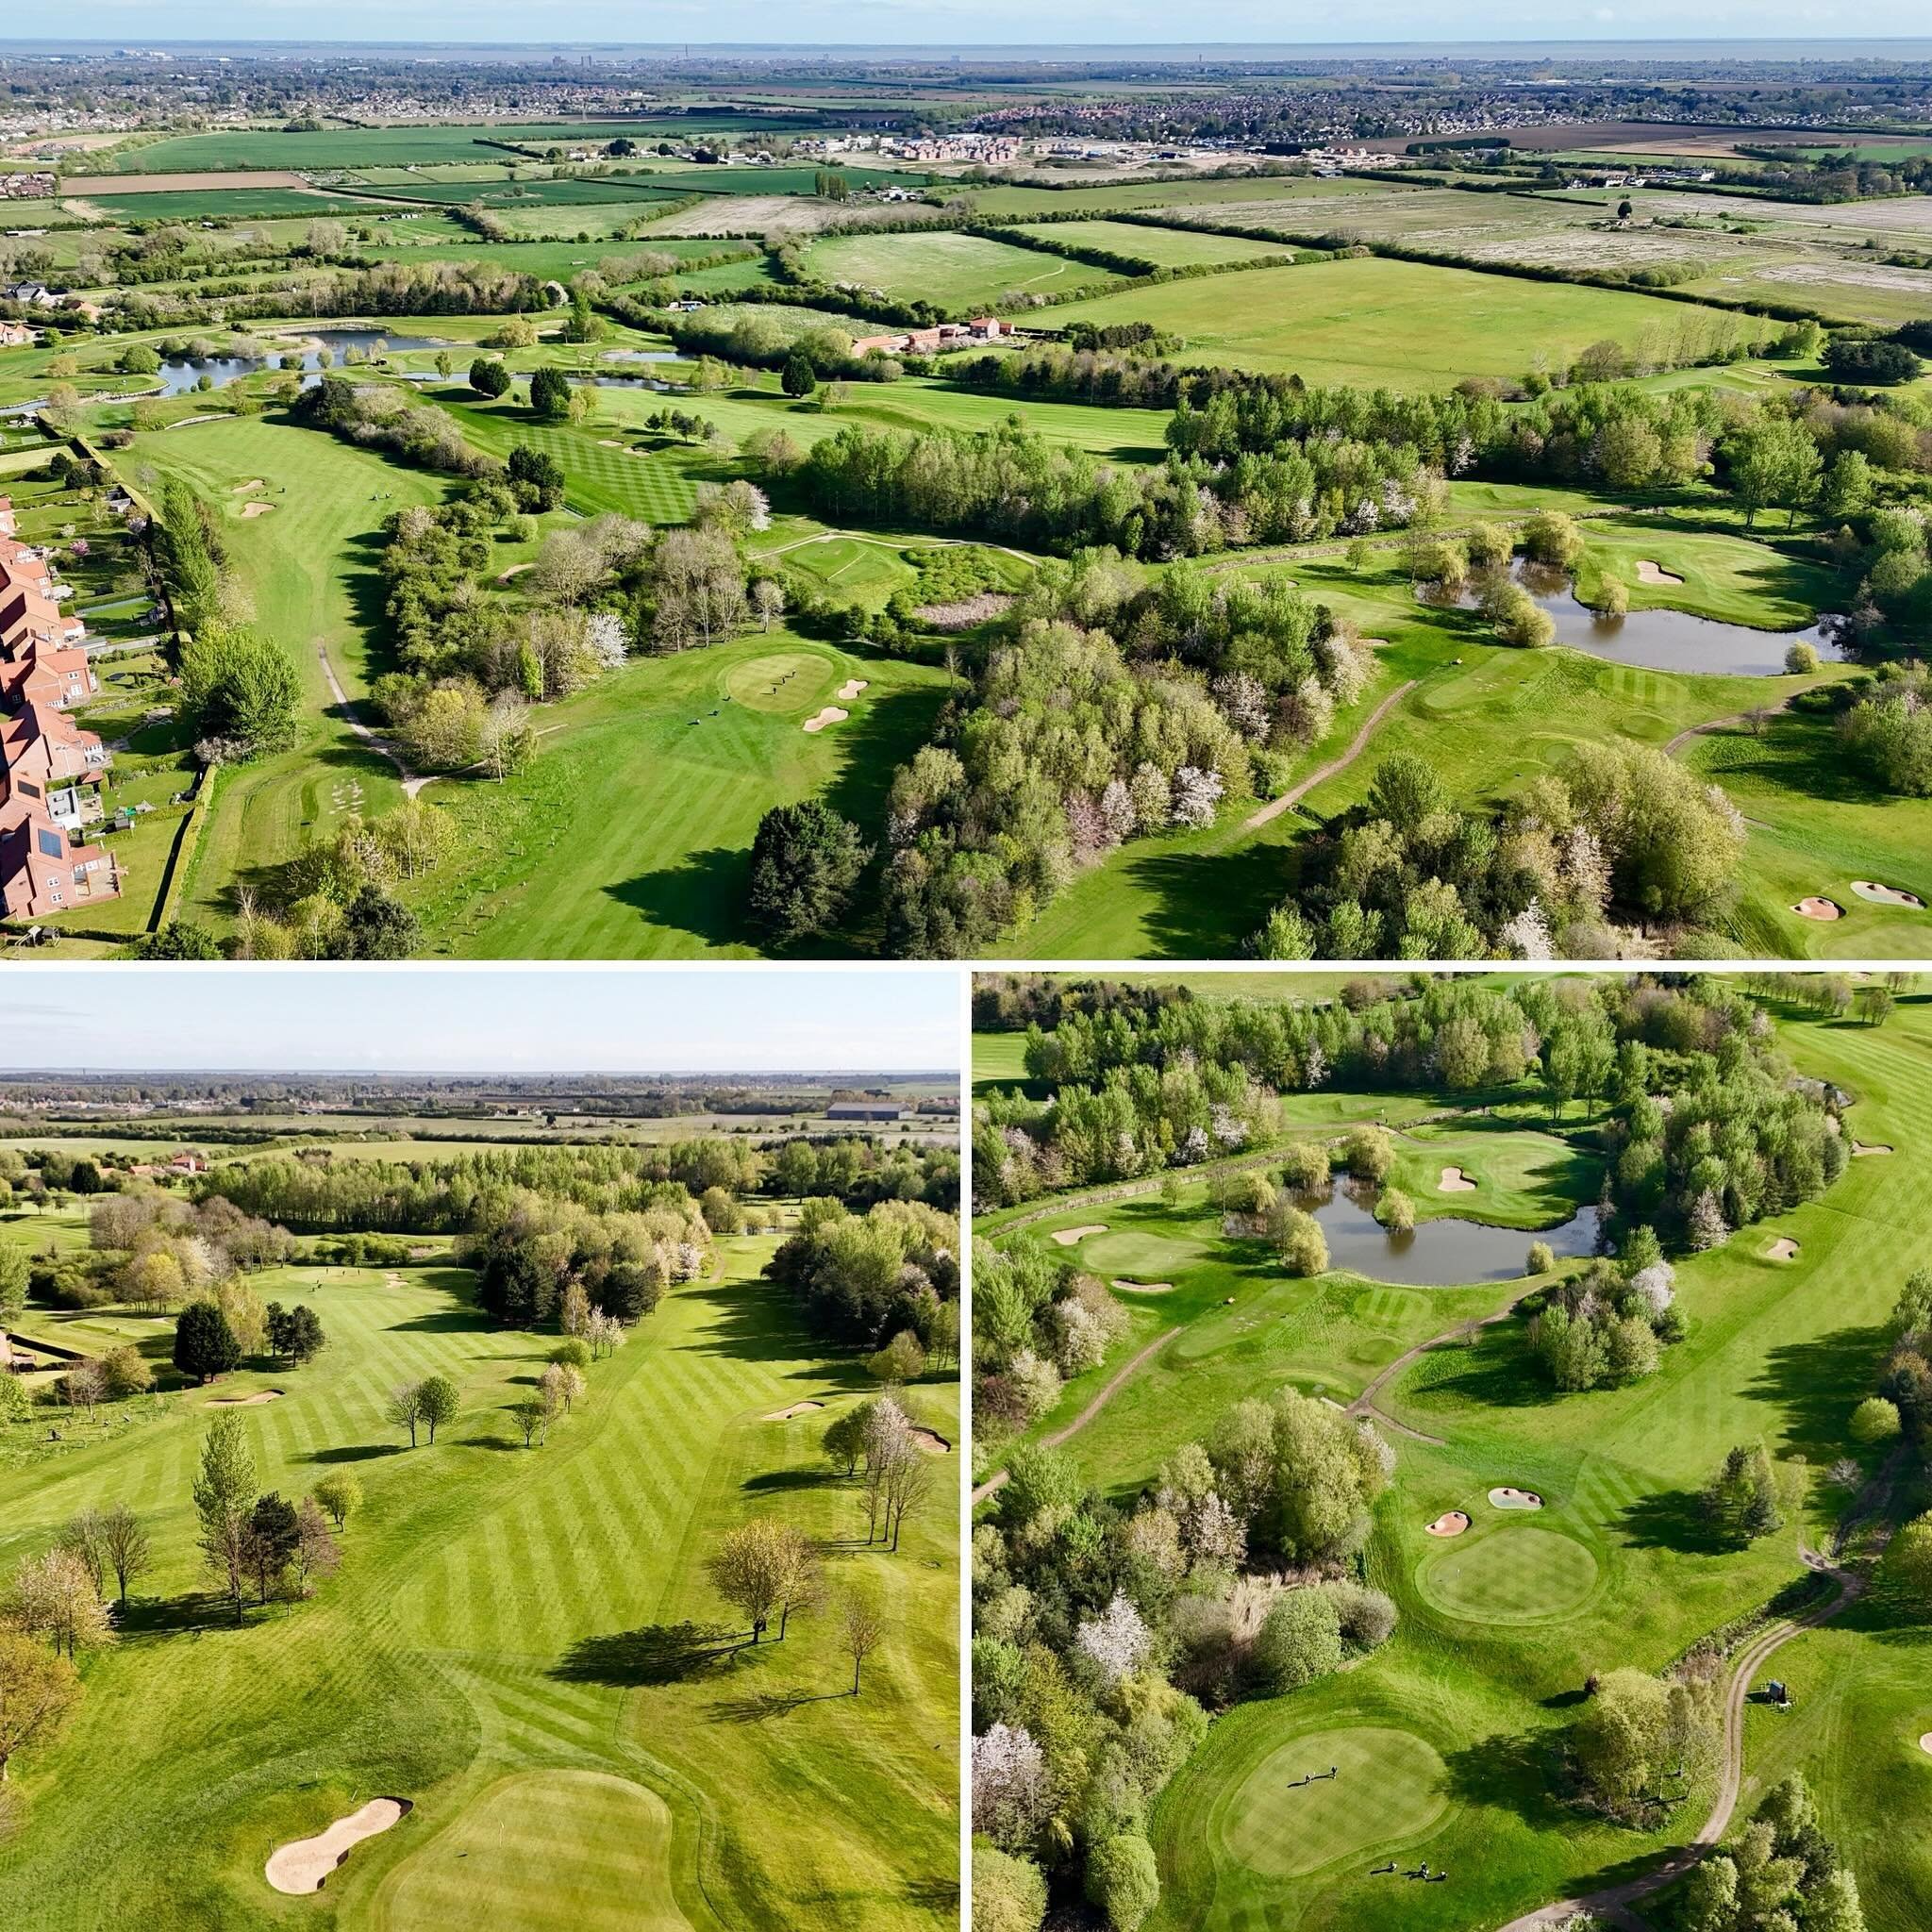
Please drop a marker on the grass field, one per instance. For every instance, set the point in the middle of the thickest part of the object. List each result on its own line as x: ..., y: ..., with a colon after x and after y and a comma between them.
x: 1372, y: 322
x: 495, y: 1648
x: 1444, y: 1737
x: 955, y: 271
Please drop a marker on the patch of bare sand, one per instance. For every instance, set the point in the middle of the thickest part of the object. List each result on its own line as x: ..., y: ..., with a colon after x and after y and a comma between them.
x: 252, y: 484
x: 302, y: 1867
x: 830, y: 715
x: 1649, y: 573
x: 1887, y: 895
x: 254, y: 1400
x: 852, y: 687
x: 1146, y: 1286
x: 1862, y: 1147
x: 1454, y: 1181
x: 1072, y: 1237
x: 1452, y: 1524
x: 932, y: 1441
x: 1783, y: 1249
x: 785, y: 1415
x: 250, y: 510
x: 1818, y: 908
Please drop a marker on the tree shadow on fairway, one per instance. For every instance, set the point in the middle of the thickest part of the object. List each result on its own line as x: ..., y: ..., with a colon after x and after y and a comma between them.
x: 169, y: 1616
x: 1816, y: 1383
x: 1207, y: 904
x: 760, y: 1706
x: 1674, y: 1520
x: 656, y: 1653
x: 778, y: 1481
x: 1511, y: 1774
x: 702, y: 894
x: 352, y: 1452
x: 443, y: 1322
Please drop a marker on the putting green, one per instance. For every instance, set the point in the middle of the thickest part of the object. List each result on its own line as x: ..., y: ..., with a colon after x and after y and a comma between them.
x: 1389, y: 1789
x: 1516, y: 1575
x: 780, y: 680
x: 550, y: 1851
x: 1139, y: 1257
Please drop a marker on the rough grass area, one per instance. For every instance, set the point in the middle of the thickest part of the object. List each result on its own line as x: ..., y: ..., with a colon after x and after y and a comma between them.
x: 1166, y: 247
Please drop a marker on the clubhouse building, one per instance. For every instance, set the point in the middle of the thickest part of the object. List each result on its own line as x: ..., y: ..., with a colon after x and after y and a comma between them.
x: 51, y: 770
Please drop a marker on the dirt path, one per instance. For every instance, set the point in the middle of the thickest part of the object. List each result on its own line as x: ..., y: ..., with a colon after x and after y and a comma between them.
x: 1294, y: 796
x: 1673, y: 747
x: 1613, y: 1902
x: 412, y: 782
x: 1087, y: 1414
x: 1364, y: 1404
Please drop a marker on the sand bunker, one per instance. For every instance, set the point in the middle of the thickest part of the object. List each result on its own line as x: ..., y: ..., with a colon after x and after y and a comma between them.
x: 1926, y: 1742
x: 1887, y: 895
x: 1454, y: 1181
x: 1069, y: 1236
x: 830, y: 715
x: 1454, y: 1524
x: 932, y: 1441
x: 853, y: 685
x: 260, y: 1396
x: 1818, y: 908
x: 252, y: 483
x: 1649, y: 573
x: 256, y: 509
x: 1146, y: 1286
x: 785, y: 1415
x: 1859, y: 1147
x: 1516, y: 1499
x: 1783, y: 1249
x: 303, y: 1866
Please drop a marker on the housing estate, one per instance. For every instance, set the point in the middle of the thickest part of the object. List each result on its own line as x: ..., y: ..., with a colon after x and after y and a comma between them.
x: 51, y: 770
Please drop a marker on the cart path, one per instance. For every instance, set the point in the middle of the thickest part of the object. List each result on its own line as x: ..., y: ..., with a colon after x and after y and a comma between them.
x: 1613, y: 1902
x: 412, y: 782
x: 1073, y: 1428
x: 1673, y: 747
x: 1294, y: 796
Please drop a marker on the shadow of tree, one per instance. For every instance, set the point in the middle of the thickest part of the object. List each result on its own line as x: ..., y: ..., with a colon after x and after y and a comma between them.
x: 1520, y: 1774
x: 1818, y: 1383
x: 771, y: 1481
x: 1674, y: 1520
x: 353, y: 1452
x: 656, y: 1653
x: 761, y: 1707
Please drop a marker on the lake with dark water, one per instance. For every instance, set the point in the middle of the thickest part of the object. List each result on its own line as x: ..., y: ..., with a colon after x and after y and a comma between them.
x: 1443, y: 1252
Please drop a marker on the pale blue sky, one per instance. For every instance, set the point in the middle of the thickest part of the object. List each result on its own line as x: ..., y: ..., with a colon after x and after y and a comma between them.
x: 966, y: 24
x: 481, y: 1019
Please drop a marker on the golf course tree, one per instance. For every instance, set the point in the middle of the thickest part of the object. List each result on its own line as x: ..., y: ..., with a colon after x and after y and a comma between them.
x: 204, y: 1343
x: 272, y: 1535
x: 224, y: 1495
x: 38, y: 1688
x: 536, y: 478
x: 1740, y: 1501
x: 1885, y: 728
x: 1635, y: 1729
x: 1781, y: 1871
x: 763, y: 1569
x: 1607, y: 1325
x: 341, y: 1495
x: 488, y: 377
x: 295, y: 1334
x: 529, y: 1253
x: 861, y: 1630
x: 424, y: 1405
x: 56, y: 1598
x: 805, y: 862
x: 1040, y: 1318
x: 238, y: 694
x: 1909, y: 1563
x: 1906, y: 1380
x: 865, y: 1277
x: 550, y: 395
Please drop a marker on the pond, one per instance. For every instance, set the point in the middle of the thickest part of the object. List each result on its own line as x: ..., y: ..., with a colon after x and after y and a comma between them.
x: 180, y: 375
x: 1444, y: 1253
x: 1656, y: 639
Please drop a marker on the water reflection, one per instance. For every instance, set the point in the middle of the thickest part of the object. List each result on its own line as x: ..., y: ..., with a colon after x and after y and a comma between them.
x: 1438, y: 1253
x: 1659, y: 640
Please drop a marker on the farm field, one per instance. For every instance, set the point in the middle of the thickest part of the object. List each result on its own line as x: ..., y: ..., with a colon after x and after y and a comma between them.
x: 1165, y: 247
x: 955, y: 271
x: 1445, y: 1741
x: 1404, y: 324
x: 485, y: 1651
